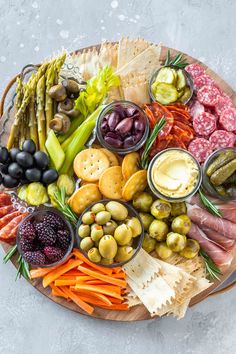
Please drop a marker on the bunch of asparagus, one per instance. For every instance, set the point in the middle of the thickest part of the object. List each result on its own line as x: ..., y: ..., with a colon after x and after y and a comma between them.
x: 35, y: 108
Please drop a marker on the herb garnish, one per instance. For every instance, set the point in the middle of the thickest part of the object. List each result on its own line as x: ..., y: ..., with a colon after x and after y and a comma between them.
x: 212, y: 270
x: 212, y: 208
x: 23, y: 268
x: 60, y: 198
x: 178, y: 60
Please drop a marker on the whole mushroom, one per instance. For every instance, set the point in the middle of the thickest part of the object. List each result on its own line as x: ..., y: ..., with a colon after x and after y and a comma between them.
x: 67, y: 107
x: 57, y: 92
x: 60, y: 123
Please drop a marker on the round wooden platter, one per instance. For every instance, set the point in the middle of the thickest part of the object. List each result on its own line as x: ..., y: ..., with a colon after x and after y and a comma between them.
x: 139, y: 312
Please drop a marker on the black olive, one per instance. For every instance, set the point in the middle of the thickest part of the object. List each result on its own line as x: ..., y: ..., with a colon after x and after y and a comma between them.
x: 4, y: 168
x: 49, y: 176
x: 15, y: 170
x: 10, y: 182
x: 3, y: 154
x: 29, y: 146
x: 25, y: 159
x: 13, y: 152
x: 33, y: 174
x: 41, y: 160
x: 1, y: 178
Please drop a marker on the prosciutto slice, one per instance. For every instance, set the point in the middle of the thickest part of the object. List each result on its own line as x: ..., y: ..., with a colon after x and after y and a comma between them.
x: 224, y: 242
x: 204, y: 219
x: 218, y: 255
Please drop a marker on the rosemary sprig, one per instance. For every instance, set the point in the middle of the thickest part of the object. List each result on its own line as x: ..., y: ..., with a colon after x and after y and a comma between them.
x: 23, y: 266
x: 60, y: 197
x: 144, y: 160
x: 212, y: 270
x: 178, y: 60
x: 212, y: 208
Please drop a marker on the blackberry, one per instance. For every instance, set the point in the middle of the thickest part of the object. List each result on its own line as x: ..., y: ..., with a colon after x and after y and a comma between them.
x: 63, y: 239
x: 45, y: 234
x: 27, y: 231
x: 54, y: 221
x: 36, y: 257
x: 26, y: 244
x: 54, y: 254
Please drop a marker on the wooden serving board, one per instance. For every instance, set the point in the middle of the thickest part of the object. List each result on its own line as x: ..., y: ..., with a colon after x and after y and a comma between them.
x: 139, y: 312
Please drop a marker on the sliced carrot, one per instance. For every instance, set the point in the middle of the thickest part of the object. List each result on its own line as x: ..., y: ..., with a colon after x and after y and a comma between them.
x: 108, y: 279
x: 95, y: 282
x: 83, y: 278
x: 54, y: 274
x: 76, y: 299
x: 113, y: 300
x: 117, y: 307
x: 116, y: 270
x: 56, y: 291
x: 66, y: 282
x: 120, y: 275
x: 41, y: 272
x: 79, y: 255
x: 98, y: 289
x: 96, y: 297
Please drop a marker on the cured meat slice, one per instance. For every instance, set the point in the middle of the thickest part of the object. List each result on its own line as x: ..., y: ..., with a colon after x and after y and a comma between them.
x: 203, y: 80
x: 222, y: 103
x: 195, y: 70
x: 224, y: 242
x: 204, y: 123
x: 218, y: 255
x: 5, y: 199
x: 221, y: 139
x: 200, y: 148
x: 207, y: 95
x: 4, y: 210
x: 196, y: 108
x: 5, y: 232
x: 7, y: 218
x: 228, y: 119
x: 204, y: 219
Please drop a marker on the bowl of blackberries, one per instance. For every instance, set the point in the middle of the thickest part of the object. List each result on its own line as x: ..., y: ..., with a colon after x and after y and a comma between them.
x: 45, y: 238
x: 26, y: 165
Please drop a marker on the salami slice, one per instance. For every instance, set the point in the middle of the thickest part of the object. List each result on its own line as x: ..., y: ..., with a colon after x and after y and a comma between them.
x: 195, y: 70
x: 204, y: 124
x: 200, y: 148
x: 5, y: 199
x: 221, y: 139
x: 5, y: 232
x: 203, y: 80
x: 207, y: 95
x: 228, y: 119
x: 196, y: 108
x: 6, y: 210
x: 223, y: 102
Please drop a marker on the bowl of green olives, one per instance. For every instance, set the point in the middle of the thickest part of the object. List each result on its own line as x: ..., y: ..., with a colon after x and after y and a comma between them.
x: 110, y: 233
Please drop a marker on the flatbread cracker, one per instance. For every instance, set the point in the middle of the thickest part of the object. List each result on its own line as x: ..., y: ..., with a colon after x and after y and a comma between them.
x: 83, y: 197
x: 128, y: 49
x: 136, y: 183
x: 108, y: 55
x: 135, y: 88
x: 111, y: 182
x: 111, y: 157
x: 130, y: 164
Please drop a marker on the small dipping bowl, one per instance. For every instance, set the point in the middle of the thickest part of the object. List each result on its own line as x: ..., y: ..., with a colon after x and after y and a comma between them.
x: 207, y: 185
x: 37, y: 217
x: 137, y: 241
x: 174, y: 173
x: 122, y: 110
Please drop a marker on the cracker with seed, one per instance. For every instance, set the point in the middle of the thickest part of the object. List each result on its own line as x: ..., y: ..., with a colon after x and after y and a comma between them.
x: 128, y: 49
x: 130, y: 164
x: 89, y: 164
x: 111, y: 157
x: 111, y: 182
x: 135, y: 88
x: 83, y: 197
x: 108, y: 54
x: 136, y: 183
x: 91, y: 65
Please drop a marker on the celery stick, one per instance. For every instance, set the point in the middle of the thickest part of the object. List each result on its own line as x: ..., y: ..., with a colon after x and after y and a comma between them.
x: 54, y: 149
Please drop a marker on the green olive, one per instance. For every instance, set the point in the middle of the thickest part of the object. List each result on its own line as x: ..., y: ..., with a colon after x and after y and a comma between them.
x: 88, y: 218
x: 178, y: 208
x: 96, y: 233
x: 124, y: 253
x: 142, y: 201
x: 84, y: 230
x: 109, y: 227
x: 117, y: 210
x: 108, y: 247
x: 123, y: 234
x: 86, y: 243
x: 107, y: 261
x: 149, y: 243
x: 175, y: 241
x: 191, y: 249
x: 162, y: 250
x: 98, y: 207
x: 146, y: 220
x: 102, y: 217
x: 181, y: 224
x: 135, y: 226
x: 94, y: 255
x: 160, y: 209
x: 158, y: 230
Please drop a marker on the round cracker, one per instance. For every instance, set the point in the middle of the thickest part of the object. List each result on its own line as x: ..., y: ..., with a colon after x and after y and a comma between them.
x: 89, y: 164
x: 136, y: 183
x: 83, y: 197
x: 83, y: 183
x: 111, y: 183
x: 130, y: 164
x: 111, y: 157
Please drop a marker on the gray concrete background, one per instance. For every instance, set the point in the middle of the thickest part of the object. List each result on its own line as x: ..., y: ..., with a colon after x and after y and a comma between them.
x: 32, y: 30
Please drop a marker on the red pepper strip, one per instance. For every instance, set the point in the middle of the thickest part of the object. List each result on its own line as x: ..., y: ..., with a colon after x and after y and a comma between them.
x: 182, y: 134
x: 176, y: 142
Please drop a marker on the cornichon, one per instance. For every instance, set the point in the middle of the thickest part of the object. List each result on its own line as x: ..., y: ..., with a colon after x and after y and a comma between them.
x: 224, y: 172
x: 220, y: 161
x: 231, y: 179
x: 221, y: 190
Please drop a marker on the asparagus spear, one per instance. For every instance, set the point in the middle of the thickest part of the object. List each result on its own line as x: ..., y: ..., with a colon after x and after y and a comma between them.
x: 40, y: 100
x: 50, y: 79
x: 33, y: 122
x: 19, y: 98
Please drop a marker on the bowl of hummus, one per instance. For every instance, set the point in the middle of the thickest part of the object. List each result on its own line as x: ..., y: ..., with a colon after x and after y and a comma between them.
x: 174, y: 175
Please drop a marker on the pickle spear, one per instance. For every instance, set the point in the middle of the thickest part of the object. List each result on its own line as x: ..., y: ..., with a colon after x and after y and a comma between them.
x: 224, y: 172
x: 220, y: 161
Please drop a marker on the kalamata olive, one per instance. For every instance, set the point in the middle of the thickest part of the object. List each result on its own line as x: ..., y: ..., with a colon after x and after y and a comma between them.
x: 139, y: 124
x: 71, y: 86
x: 57, y: 92
x: 3, y: 154
x: 113, y: 142
x: 113, y: 120
x: 129, y: 141
x: 124, y: 126
x: 130, y: 111
x: 120, y: 110
x: 112, y: 135
x: 138, y: 136
x: 104, y: 127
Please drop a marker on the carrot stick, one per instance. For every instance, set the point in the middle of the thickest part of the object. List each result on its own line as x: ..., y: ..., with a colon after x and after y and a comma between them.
x: 96, y: 297
x: 57, y: 291
x: 117, y: 307
x: 113, y: 300
x: 95, y: 282
x: 41, y: 272
x: 79, y: 255
x: 65, y: 282
x: 98, y: 289
x: 120, y: 275
x: 105, y: 278
x: 54, y: 274
x: 75, y: 298
x: 83, y: 278
x: 117, y: 270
